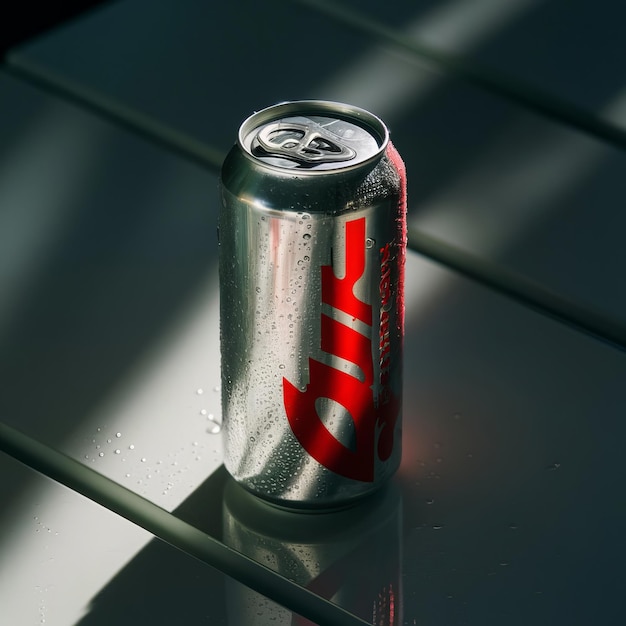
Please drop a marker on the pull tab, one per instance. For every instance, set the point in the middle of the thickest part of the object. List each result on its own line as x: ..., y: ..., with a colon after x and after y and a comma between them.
x: 305, y: 143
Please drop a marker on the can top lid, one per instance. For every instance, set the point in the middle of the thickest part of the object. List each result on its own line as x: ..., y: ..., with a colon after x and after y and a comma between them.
x: 313, y: 136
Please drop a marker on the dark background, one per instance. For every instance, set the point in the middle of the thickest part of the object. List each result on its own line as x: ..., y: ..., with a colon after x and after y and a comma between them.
x: 19, y: 23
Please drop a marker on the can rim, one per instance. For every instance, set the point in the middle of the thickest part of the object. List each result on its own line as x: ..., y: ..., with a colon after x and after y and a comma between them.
x: 347, y: 112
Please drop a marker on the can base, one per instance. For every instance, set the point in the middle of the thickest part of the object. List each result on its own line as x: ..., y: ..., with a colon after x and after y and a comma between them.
x: 310, y: 507
x: 320, y: 524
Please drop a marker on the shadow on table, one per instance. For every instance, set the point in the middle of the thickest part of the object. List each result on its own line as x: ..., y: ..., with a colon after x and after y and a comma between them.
x: 163, y: 585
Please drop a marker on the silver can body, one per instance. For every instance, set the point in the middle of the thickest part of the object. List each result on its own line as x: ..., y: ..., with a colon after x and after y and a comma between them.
x: 312, y: 236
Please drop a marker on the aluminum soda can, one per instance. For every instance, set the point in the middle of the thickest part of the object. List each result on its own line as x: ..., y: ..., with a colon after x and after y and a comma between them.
x: 312, y: 241
x: 351, y: 557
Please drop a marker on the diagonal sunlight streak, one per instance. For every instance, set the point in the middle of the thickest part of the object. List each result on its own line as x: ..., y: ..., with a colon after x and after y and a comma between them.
x: 467, y: 24
x: 398, y: 88
x: 531, y: 178
x: 615, y: 110
x: 167, y: 447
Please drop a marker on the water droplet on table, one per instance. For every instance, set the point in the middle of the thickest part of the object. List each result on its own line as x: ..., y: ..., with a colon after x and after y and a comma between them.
x: 214, y: 429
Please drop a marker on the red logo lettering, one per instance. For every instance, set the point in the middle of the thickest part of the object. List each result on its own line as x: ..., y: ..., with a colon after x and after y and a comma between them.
x: 355, y: 395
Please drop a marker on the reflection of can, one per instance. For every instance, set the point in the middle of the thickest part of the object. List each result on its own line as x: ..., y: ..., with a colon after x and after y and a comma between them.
x: 312, y: 245
x: 350, y: 557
